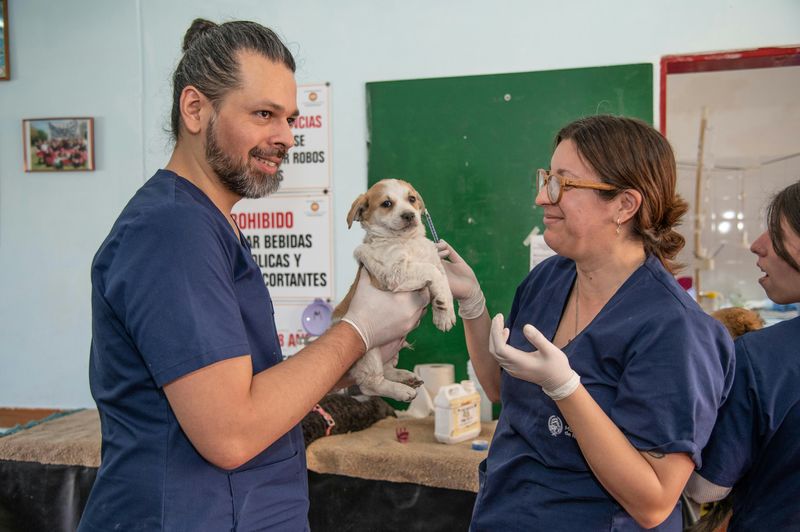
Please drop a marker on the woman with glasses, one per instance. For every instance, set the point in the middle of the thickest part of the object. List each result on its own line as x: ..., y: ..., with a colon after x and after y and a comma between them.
x: 755, y: 446
x: 609, y: 374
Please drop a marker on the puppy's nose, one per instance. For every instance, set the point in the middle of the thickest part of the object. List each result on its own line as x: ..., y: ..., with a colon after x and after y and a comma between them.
x: 407, y: 216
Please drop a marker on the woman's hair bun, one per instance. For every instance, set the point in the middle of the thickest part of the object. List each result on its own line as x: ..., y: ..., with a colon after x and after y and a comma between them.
x: 674, y: 212
x: 198, y: 27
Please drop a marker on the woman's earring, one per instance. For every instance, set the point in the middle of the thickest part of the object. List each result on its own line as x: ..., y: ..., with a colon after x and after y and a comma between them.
x: 618, y: 224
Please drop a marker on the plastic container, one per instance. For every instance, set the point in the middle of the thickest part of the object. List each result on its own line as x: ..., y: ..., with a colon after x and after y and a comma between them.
x: 486, y: 404
x: 457, y: 413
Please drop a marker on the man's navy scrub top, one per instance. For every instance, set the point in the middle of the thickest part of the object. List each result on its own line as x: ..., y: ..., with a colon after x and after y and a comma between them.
x: 173, y: 291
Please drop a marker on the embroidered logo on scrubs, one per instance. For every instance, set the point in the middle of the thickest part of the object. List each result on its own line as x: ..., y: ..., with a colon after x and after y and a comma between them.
x: 555, y: 425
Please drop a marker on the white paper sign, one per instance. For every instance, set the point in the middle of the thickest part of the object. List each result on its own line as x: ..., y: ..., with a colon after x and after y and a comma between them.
x: 289, y: 322
x: 290, y: 239
x: 290, y: 232
x: 307, y: 166
x: 539, y: 250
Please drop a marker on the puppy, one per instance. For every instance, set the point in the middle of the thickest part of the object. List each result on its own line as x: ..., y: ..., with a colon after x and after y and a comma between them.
x: 738, y: 320
x: 398, y: 257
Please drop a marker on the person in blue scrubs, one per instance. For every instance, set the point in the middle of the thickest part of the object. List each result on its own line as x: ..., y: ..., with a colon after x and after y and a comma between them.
x: 609, y: 374
x: 755, y: 447
x: 199, y: 415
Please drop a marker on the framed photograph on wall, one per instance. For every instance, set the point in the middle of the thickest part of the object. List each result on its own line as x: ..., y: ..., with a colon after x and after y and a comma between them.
x: 4, y: 70
x: 58, y: 144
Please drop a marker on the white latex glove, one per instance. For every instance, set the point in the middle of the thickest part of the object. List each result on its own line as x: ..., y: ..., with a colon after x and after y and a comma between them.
x: 381, y: 317
x: 548, y: 367
x: 702, y: 491
x: 463, y: 283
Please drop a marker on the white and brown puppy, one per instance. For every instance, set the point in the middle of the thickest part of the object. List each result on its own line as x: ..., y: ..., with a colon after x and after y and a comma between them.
x: 399, y: 258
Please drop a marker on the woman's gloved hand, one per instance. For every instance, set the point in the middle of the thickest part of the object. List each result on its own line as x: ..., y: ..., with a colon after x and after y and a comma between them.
x: 548, y: 366
x: 463, y: 283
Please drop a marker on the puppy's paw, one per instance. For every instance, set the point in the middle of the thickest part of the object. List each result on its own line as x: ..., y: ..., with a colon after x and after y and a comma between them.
x: 406, y: 394
x: 445, y: 318
x: 451, y: 314
x: 411, y: 379
x: 415, y: 382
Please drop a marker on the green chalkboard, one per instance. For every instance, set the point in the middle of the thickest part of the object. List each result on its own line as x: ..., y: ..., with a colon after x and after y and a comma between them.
x: 471, y: 146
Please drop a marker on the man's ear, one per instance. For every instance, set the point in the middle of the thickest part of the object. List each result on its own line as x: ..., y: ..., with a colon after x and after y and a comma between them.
x: 357, y: 210
x: 192, y: 104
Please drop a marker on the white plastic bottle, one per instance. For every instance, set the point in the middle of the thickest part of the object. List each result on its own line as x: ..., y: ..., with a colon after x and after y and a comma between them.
x: 486, y: 404
x: 457, y: 413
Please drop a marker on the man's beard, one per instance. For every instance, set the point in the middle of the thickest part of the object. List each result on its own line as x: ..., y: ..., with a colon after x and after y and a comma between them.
x: 236, y: 175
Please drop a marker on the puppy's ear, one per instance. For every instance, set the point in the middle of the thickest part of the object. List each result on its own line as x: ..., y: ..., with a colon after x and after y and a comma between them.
x: 359, y: 205
x: 420, y: 201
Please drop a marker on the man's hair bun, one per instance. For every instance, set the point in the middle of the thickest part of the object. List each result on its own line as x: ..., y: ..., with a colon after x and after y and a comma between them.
x: 199, y: 26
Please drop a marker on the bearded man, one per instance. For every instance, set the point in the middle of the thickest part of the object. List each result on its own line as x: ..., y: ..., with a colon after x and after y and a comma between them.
x: 199, y: 413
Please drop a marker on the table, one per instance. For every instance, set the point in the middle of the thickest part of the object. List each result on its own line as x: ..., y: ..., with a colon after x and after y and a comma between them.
x: 364, y: 480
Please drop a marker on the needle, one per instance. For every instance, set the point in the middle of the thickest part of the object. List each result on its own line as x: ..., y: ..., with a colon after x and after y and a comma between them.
x: 430, y: 226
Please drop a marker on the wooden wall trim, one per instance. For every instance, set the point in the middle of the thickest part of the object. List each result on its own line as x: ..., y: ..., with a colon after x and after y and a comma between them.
x: 10, y: 417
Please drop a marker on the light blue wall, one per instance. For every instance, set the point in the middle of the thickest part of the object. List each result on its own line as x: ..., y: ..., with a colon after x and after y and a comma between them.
x: 112, y: 60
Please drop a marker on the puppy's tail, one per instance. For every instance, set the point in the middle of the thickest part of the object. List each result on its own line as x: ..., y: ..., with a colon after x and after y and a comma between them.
x: 341, y: 308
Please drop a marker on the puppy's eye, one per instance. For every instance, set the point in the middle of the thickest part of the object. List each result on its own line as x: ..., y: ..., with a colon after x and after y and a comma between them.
x: 412, y: 199
x: 386, y: 204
